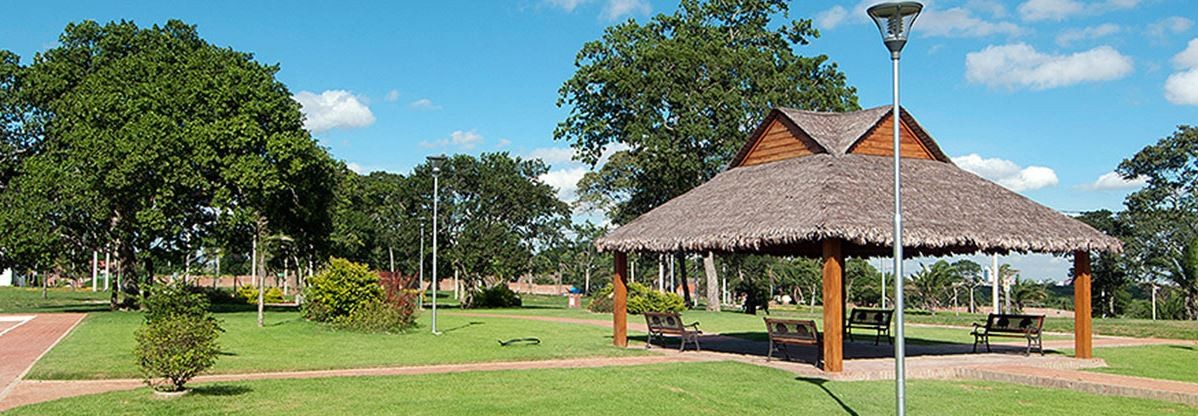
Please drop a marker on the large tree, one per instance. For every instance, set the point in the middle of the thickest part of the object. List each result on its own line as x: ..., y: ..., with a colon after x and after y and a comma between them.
x: 494, y: 213
x: 1163, y: 215
x: 162, y: 139
x: 675, y: 97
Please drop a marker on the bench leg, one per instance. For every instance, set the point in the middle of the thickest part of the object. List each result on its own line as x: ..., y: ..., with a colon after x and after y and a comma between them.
x: 770, y: 356
x: 988, y: 344
x: 697, y: 347
x: 877, y: 337
x: 649, y: 341
x: 975, y: 343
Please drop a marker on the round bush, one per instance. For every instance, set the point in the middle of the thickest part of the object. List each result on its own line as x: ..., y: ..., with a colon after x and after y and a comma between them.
x: 339, y: 289
x: 641, y: 299
x: 498, y: 296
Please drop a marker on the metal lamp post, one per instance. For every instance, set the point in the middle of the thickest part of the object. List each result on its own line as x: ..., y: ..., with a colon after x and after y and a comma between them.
x: 435, y: 162
x: 894, y: 20
x: 421, y: 274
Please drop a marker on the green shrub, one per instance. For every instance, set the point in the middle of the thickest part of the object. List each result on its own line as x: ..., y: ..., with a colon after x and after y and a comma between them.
x: 217, y: 296
x: 178, y: 339
x: 376, y: 316
x: 641, y: 299
x: 339, y: 289
x: 498, y: 296
x: 172, y: 350
x: 172, y: 300
x: 249, y: 295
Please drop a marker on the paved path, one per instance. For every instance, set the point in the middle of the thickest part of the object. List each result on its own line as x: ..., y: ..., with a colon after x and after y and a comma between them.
x: 29, y: 340
x: 25, y: 339
x: 37, y: 391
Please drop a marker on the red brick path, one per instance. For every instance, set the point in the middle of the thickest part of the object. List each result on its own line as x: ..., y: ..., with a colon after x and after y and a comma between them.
x: 24, y: 345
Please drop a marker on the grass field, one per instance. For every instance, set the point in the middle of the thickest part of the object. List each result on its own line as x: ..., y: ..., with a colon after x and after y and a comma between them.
x: 29, y: 300
x: 102, y: 345
x: 1168, y: 362
x: 666, y: 389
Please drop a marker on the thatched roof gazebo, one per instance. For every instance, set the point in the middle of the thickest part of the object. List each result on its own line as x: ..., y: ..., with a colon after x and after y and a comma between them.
x: 819, y: 185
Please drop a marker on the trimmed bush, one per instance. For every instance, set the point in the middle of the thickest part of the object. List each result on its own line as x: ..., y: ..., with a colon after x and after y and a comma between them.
x: 339, y: 289
x: 178, y: 339
x: 376, y: 316
x: 249, y: 295
x: 640, y: 299
x: 173, y: 300
x: 498, y: 296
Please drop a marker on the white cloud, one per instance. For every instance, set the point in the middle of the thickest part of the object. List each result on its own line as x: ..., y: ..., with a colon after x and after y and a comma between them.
x: 1021, y: 66
x: 829, y: 19
x: 1187, y: 58
x: 1034, y: 10
x: 1171, y: 25
x: 959, y: 22
x: 553, y: 155
x: 991, y: 7
x: 503, y: 143
x: 358, y: 169
x: 392, y: 96
x: 1113, y: 181
x: 424, y: 104
x: 565, y: 181
x: 567, y: 5
x: 465, y: 139
x: 333, y: 109
x: 461, y: 139
x: 1182, y: 87
x: 1007, y: 173
x: 1037, y: 10
x: 614, y: 9
x: 1070, y: 36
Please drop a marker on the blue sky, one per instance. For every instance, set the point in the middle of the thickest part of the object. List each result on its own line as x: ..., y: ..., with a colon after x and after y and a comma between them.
x: 1043, y: 96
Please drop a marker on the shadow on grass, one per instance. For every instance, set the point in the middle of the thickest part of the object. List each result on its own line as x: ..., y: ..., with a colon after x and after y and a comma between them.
x: 1183, y: 347
x: 222, y: 390
x: 820, y: 383
x: 462, y: 326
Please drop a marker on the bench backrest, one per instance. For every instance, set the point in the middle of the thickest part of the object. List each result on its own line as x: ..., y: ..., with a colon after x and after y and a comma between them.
x: 872, y: 317
x: 1009, y: 322
x: 792, y: 330
x: 664, y: 322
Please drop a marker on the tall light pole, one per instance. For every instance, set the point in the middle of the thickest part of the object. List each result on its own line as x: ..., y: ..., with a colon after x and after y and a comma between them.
x: 894, y: 20
x: 435, y: 162
x: 421, y: 274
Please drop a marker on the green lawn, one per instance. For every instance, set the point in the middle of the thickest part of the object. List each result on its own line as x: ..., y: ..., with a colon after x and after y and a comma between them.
x: 1169, y: 362
x: 102, y: 345
x: 29, y: 300
x: 666, y: 389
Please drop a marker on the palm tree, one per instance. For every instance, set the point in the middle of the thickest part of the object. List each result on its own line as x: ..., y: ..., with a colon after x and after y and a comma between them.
x: 932, y: 283
x: 1026, y: 291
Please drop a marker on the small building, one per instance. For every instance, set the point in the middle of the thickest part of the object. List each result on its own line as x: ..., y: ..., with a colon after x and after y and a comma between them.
x: 821, y: 185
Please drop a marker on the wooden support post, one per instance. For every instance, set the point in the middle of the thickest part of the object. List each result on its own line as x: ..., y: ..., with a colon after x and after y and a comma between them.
x: 1082, y: 329
x: 833, y: 306
x: 619, y: 313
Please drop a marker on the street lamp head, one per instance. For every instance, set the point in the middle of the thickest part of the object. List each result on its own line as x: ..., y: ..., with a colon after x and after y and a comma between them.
x: 894, y: 20
x: 435, y: 162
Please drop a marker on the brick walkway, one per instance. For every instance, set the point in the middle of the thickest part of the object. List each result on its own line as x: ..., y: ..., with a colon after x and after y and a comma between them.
x: 30, y: 340
x: 23, y: 344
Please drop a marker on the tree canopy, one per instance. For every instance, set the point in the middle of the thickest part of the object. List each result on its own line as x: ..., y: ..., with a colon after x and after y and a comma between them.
x: 674, y: 97
x: 150, y: 139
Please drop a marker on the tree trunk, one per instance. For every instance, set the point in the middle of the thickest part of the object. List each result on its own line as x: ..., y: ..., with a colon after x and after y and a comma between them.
x: 972, y: 306
x: 686, y: 291
x: 713, y: 283
x: 259, y: 279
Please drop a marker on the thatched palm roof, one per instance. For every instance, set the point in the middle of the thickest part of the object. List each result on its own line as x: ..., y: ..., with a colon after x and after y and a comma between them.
x: 791, y: 206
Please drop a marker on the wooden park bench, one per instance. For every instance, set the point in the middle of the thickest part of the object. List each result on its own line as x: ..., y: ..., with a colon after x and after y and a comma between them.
x: 1010, y: 325
x: 784, y: 332
x: 877, y: 320
x: 669, y: 324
